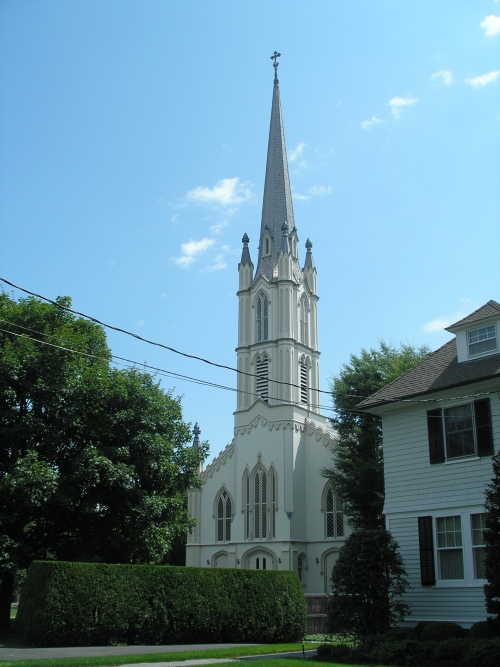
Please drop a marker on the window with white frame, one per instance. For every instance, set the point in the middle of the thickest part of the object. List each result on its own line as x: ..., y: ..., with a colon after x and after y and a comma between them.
x: 301, y: 568
x: 478, y: 546
x: 452, y: 549
x: 262, y: 318
x: 449, y: 547
x: 482, y: 340
x: 460, y: 431
x: 246, y: 503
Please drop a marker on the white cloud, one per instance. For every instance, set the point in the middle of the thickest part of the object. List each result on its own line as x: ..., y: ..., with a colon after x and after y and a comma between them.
x: 397, y: 104
x: 368, y: 124
x: 483, y: 79
x: 191, y: 251
x: 175, y: 218
x: 297, y: 152
x: 491, y: 25
x: 444, y: 76
x: 320, y: 190
x: 218, y: 227
x: 441, y: 322
x: 227, y: 192
x: 314, y: 191
x: 140, y: 323
x: 218, y: 265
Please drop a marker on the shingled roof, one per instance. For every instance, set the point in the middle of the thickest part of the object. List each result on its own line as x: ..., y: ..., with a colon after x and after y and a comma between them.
x: 490, y: 309
x: 440, y: 369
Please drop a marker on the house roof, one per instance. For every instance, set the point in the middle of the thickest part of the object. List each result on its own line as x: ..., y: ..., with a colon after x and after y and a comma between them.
x: 440, y: 370
x: 490, y: 309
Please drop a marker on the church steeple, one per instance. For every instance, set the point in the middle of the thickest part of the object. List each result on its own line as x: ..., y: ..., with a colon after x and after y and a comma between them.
x: 277, y: 207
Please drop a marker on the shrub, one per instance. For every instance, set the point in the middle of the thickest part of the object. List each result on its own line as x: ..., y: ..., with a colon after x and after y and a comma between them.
x: 485, y: 629
x: 483, y: 653
x: 403, y: 652
x: 368, y: 581
x: 420, y: 626
x: 87, y: 604
x: 451, y: 649
x: 439, y: 630
x: 336, y: 652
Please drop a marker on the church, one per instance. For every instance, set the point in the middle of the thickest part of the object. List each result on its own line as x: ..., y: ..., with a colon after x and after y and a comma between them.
x: 264, y: 503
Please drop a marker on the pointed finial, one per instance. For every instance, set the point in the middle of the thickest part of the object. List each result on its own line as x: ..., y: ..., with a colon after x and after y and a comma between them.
x: 245, y: 240
x: 309, y: 245
x: 196, y: 433
x: 275, y: 57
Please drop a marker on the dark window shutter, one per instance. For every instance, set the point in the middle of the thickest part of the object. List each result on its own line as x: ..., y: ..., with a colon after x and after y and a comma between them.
x: 436, y: 439
x: 425, y: 543
x: 483, y: 427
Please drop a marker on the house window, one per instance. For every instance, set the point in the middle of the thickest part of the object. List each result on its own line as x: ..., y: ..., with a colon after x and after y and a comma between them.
x: 478, y: 547
x: 450, y: 550
x: 460, y: 431
x: 224, y: 508
x: 262, y: 378
x: 449, y: 547
x: 482, y: 340
x: 262, y: 318
x: 334, y: 515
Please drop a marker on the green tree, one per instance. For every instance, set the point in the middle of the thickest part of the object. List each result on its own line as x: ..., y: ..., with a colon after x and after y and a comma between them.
x: 357, y: 474
x: 95, y: 462
x: 368, y: 581
x: 492, y: 541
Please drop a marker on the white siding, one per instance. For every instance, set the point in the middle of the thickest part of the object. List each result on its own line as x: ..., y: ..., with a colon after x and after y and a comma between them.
x: 414, y: 487
x: 462, y: 604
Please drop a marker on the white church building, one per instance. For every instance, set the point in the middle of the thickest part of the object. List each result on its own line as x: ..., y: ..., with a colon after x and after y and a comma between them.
x: 264, y: 503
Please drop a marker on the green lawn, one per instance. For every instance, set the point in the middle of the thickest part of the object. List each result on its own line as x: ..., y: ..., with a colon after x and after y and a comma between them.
x: 109, y: 661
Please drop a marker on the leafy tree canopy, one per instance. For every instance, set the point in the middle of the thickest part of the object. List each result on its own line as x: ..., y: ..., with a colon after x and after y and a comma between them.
x: 357, y: 473
x: 95, y: 462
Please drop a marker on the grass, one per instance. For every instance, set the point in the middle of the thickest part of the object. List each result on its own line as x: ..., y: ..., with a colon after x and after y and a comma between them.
x: 110, y: 661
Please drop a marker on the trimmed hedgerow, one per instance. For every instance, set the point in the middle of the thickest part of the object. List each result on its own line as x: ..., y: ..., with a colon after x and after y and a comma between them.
x: 439, y: 630
x: 85, y: 604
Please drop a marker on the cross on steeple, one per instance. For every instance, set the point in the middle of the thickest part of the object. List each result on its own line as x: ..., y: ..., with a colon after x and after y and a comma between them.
x: 275, y: 57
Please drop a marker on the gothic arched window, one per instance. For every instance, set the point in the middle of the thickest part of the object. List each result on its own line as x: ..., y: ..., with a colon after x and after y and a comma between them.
x: 224, y: 517
x: 273, y: 500
x: 303, y: 321
x: 246, y: 503
x: 260, y: 503
x: 334, y: 514
x: 262, y: 318
x: 301, y: 568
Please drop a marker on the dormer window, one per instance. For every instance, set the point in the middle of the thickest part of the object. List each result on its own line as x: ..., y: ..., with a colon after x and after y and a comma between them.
x: 483, y: 340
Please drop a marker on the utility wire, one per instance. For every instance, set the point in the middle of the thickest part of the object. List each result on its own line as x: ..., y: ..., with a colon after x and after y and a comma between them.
x: 129, y: 363
x: 212, y: 363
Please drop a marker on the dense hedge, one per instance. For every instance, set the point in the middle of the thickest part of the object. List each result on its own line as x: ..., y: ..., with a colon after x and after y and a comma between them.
x: 444, y: 643
x: 85, y: 604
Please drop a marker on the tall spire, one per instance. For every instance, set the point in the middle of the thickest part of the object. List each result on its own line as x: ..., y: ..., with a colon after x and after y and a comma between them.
x: 277, y: 205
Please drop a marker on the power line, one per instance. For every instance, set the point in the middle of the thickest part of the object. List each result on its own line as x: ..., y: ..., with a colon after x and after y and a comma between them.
x: 129, y: 363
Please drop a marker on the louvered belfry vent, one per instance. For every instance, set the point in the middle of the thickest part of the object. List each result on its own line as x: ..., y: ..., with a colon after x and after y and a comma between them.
x: 263, y: 378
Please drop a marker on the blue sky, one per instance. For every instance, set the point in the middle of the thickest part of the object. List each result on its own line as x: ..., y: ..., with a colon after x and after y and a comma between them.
x: 134, y: 137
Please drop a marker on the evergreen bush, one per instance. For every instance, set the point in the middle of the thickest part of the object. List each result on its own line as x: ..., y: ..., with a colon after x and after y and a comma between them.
x: 439, y: 630
x: 483, y: 653
x: 85, y: 604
